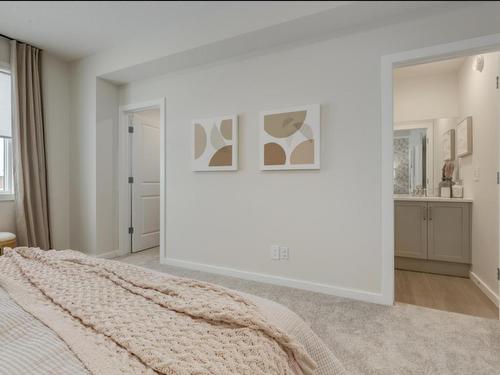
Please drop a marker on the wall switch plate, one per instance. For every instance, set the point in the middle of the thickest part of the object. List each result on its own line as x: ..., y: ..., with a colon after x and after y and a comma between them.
x: 284, y: 253
x: 275, y: 252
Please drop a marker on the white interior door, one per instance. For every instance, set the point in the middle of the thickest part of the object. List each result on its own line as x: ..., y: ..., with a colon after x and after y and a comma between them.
x: 145, y: 189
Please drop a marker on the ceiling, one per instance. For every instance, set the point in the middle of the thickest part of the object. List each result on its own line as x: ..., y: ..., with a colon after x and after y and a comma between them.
x: 430, y: 69
x: 75, y: 29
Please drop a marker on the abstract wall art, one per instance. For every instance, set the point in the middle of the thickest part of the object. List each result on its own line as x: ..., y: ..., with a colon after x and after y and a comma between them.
x: 464, y: 137
x: 448, y: 145
x: 290, y: 138
x: 215, y: 144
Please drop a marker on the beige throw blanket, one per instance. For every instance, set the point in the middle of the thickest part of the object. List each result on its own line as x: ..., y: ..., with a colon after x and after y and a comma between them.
x: 152, y: 323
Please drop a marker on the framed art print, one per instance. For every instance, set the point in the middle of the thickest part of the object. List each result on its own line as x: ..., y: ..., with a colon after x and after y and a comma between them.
x: 464, y: 137
x: 290, y: 138
x: 448, y: 145
x: 215, y: 144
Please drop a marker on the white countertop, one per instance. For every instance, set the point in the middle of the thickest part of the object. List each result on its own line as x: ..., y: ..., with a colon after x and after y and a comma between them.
x: 406, y: 197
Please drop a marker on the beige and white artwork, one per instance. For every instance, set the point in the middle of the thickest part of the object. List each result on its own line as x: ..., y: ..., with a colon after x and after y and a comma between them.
x: 290, y: 138
x: 215, y: 144
x: 464, y: 137
x: 449, y: 145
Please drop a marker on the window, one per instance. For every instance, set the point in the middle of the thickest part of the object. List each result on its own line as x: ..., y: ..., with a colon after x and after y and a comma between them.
x: 6, y: 163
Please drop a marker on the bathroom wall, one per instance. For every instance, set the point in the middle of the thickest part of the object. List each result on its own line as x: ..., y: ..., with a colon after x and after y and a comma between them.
x: 418, y: 97
x: 479, y: 98
x: 428, y: 92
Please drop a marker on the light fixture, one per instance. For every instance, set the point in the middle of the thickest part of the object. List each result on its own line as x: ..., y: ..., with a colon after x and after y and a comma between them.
x: 478, y: 63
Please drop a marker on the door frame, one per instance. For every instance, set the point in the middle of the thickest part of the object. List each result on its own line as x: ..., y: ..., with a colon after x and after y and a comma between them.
x: 124, y: 153
x: 467, y: 47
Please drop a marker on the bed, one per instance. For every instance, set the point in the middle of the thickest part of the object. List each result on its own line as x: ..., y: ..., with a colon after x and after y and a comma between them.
x: 62, y: 312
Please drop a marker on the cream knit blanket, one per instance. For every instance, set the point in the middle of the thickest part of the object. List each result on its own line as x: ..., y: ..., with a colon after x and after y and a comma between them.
x: 161, y: 324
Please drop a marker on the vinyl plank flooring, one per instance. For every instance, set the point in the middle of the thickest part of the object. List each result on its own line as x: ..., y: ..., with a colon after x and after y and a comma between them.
x: 447, y: 293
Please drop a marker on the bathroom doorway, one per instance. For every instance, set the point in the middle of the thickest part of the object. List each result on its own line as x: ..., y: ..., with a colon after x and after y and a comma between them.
x: 445, y: 193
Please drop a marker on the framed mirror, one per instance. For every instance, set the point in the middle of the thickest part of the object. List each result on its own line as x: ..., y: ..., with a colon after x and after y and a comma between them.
x: 413, y: 161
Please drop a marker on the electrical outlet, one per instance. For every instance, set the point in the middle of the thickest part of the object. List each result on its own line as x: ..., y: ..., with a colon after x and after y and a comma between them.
x: 284, y: 253
x: 275, y: 252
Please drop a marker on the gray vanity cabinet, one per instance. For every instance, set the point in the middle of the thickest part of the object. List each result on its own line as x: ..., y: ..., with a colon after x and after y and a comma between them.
x: 449, y: 228
x: 434, y: 231
x: 410, y: 229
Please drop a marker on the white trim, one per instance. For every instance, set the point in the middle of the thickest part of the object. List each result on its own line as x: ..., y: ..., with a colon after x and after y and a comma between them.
x: 110, y: 254
x: 388, y: 63
x: 495, y: 298
x: 278, y: 280
x: 123, y: 161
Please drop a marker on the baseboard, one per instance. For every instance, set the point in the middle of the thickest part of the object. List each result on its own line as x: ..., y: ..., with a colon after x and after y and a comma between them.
x: 111, y: 254
x: 278, y: 280
x: 485, y: 289
x: 432, y: 266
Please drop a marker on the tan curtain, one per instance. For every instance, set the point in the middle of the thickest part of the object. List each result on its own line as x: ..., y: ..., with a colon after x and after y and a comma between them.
x: 30, y: 181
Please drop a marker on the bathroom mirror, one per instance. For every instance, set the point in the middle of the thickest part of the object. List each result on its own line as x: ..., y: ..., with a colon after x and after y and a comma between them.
x: 413, y: 157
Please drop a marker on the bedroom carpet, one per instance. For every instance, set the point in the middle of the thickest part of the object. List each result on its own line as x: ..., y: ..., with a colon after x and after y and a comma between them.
x: 374, y: 339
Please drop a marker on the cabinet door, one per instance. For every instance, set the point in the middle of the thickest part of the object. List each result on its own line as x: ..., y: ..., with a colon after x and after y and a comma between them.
x: 449, y: 232
x: 410, y: 229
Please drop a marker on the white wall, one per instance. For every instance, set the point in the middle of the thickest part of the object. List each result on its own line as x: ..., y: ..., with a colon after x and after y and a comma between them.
x: 106, y: 171
x: 231, y: 219
x: 425, y: 97
x: 479, y: 98
x: 56, y: 104
x: 328, y: 218
x: 4, y: 51
x: 82, y: 159
x: 8, y: 216
x: 435, y: 97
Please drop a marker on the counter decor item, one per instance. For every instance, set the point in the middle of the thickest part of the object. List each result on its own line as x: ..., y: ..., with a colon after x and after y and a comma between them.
x: 446, y: 183
x: 457, y: 191
x: 445, y: 192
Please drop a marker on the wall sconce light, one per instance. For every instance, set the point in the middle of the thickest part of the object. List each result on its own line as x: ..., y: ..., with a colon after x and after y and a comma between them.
x: 478, y: 63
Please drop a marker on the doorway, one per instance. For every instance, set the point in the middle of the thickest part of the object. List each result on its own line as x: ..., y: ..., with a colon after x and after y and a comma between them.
x: 470, y: 47
x: 144, y: 134
x: 446, y: 234
x: 141, y: 155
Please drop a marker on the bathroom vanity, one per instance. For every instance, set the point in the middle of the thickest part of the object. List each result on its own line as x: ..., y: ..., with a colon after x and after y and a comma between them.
x: 433, y: 234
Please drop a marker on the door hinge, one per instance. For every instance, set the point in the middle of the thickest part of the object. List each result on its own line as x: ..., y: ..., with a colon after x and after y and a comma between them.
x: 130, y: 129
x: 130, y: 180
x: 497, y: 82
x: 131, y: 230
x: 498, y: 274
x: 498, y: 178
